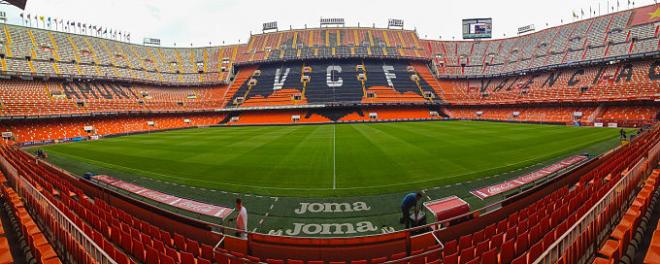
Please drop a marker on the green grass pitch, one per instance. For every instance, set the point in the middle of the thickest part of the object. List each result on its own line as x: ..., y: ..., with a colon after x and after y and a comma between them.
x: 329, y: 160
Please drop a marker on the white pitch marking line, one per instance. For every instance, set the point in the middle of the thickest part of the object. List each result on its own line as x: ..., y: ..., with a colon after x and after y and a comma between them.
x: 334, y: 156
x: 427, y: 196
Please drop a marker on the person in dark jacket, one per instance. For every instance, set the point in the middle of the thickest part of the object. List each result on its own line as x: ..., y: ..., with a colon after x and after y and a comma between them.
x: 409, y: 202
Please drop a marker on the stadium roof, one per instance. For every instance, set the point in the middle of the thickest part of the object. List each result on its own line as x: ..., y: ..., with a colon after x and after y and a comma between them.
x: 17, y: 3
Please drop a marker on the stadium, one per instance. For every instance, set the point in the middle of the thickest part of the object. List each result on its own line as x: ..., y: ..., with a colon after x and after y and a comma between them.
x: 344, y: 144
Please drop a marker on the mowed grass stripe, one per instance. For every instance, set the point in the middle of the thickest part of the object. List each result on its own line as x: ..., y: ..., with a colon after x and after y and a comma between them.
x: 457, y: 160
x: 298, y: 160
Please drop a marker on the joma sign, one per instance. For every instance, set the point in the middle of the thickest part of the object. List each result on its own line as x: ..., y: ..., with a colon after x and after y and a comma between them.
x: 332, y: 207
x: 328, y: 228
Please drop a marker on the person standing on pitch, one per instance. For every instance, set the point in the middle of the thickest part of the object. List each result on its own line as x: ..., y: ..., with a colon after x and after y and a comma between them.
x: 241, y: 219
x: 622, y: 133
x: 409, y: 202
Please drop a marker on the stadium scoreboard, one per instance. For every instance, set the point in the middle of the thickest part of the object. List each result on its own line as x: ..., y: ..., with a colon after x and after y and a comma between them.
x: 477, y: 28
x: 151, y: 41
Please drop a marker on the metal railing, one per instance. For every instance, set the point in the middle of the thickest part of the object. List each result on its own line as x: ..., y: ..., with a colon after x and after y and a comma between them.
x: 587, y: 221
x: 38, y: 202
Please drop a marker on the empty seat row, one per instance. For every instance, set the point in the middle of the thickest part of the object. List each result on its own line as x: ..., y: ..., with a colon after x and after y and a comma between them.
x: 35, y: 242
x: 626, y: 237
x: 524, y: 235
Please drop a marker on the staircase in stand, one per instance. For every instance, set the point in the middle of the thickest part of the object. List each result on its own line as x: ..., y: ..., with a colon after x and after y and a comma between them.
x: 597, y: 113
x: 426, y: 75
x: 242, y: 76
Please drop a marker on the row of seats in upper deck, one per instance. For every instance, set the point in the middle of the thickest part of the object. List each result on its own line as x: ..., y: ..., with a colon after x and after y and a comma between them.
x: 52, y: 53
x: 28, y: 98
x: 600, y: 37
x: 613, y: 82
x: 333, y: 42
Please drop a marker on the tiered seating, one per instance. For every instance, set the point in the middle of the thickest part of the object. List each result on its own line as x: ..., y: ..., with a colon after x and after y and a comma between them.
x: 524, y: 235
x: 278, y: 117
x: 383, y: 94
x: 633, y: 221
x: 540, y: 114
x: 56, y: 53
x: 609, y: 83
x: 240, y: 80
x: 59, y: 53
x: 425, y: 74
x: 329, y: 82
x: 226, y: 256
x: 335, y: 42
x: 629, y: 115
x: 325, y: 116
x: 5, y: 250
x: 40, y: 130
x: 23, y: 98
x: 389, y: 114
x: 124, y: 237
x: 594, y: 38
x: 279, y: 97
x: 520, y: 237
x: 647, y: 198
x: 36, y: 246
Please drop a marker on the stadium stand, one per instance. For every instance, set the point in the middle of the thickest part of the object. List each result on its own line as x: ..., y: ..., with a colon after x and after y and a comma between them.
x: 630, y: 115
x: 520, y: 234
x: 321, y: 83
x: 34, y: 243
x: 125, y: 239
x: 20, y: 98
x: 634, y: 222
x: 50, y: 130
x: 615, y: 82
x: 336, y: 42
x: 346, y: 115
x: 51, y: 53
x: 608, y: 36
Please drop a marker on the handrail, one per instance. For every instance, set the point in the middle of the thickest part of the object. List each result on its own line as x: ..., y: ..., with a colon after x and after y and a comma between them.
x: 25, y: 188
x: 553, y: 252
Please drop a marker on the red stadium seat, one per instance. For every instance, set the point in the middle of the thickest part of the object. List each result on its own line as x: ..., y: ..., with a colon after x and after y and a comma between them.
x: 451, y: 247
x: 520, y: 260
x: 489, y: 257
x: 203, y: 261
x: 467, y: 255
x: 187, y: 257
x: 451, y: 259
x: 508, y: 251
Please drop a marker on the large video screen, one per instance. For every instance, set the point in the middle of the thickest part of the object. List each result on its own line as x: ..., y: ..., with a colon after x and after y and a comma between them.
x: 477, y: 28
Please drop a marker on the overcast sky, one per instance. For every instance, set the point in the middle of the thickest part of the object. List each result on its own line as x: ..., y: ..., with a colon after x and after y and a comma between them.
x: 202, y: 21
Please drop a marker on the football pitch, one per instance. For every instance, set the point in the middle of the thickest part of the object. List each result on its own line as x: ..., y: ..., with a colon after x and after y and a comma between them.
x: 328, y: 160
x: 281, y: 171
